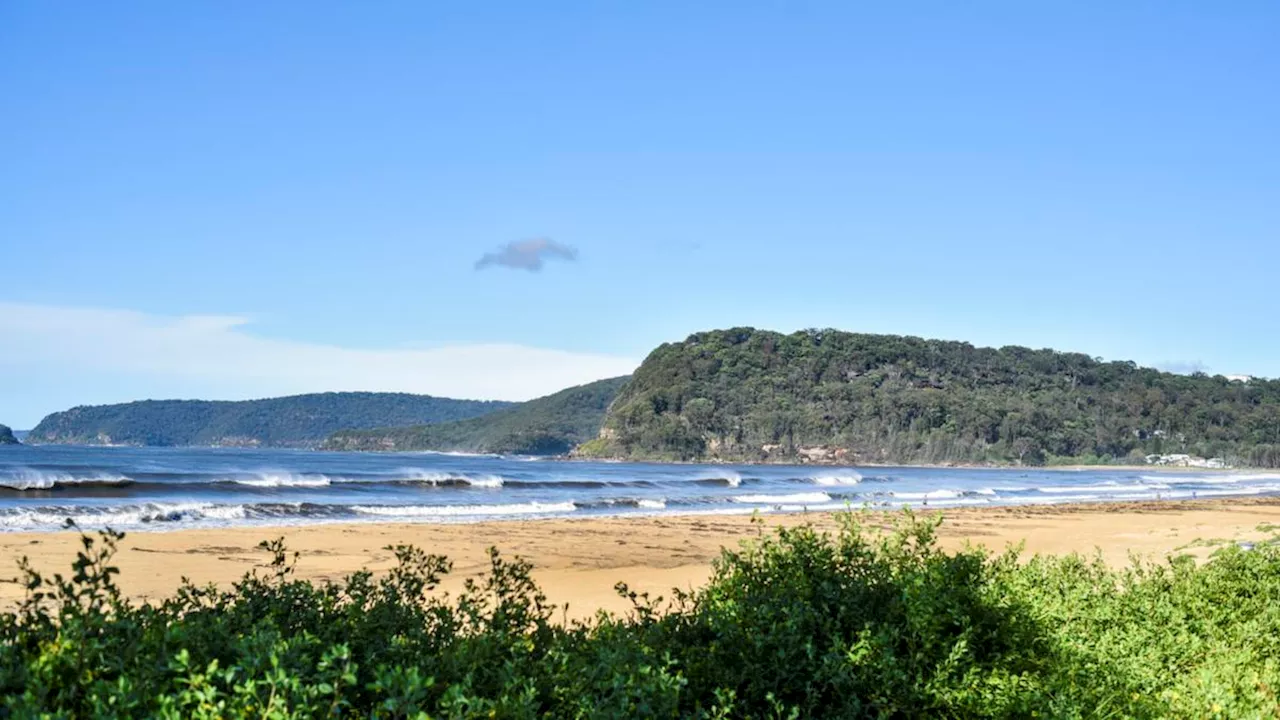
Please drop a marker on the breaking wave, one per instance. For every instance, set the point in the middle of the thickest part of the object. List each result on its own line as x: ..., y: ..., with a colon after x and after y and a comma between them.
x: 120, y: 516
x: 405, y: 477
x: 279, y: 480
x: 45, y: 480
x: 847, y: 477
x: 724, y: 478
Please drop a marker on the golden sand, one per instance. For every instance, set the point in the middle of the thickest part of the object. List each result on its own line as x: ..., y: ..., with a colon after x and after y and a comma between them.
x: 579, y: 561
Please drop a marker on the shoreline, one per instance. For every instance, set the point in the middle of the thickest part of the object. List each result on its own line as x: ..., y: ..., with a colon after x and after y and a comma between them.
x: 1073, y: 467
x: 579, y: 560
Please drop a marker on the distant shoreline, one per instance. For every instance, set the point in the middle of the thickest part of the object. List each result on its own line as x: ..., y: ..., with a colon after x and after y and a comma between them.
x: 1074, y: 467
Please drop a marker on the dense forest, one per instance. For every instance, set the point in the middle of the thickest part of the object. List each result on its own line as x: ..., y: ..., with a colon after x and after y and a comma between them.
x: 747, y: 395
x: 6, y: 436
x: 297, y: 421
x: 550, y: 425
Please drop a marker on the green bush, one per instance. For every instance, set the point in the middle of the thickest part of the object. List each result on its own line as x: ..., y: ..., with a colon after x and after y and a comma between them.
x: 794, y: 624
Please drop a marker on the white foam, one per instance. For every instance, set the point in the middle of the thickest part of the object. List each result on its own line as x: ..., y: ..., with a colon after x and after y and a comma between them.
x: 440, y: 478
x: 953, y: 502
x: 730, y: 477
x: 931, y: 495
x: 316, y: 480
x: 721, y: 511
x: 531, y: 508
x: 277, y: 480
x: 813, y: 508
x: 651, y: 504
x: 805, y: 498
x: 1213, y: 478
x: 1104, y: 487
x: 40, y: 480
x: 843, y: 478
x: 121, y: 517
x: 223, y: 512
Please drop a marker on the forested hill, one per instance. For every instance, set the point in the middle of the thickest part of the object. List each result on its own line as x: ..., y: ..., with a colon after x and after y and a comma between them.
x: 746, y: 394
x: 550, y: 425
x: 6, y: 436
x: 297, y: 421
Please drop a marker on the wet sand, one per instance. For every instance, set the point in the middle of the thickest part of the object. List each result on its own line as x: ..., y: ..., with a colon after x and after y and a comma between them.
x: 579, y: 561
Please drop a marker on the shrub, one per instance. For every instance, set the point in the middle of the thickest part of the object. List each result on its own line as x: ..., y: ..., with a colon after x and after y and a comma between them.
x: 794, y: 624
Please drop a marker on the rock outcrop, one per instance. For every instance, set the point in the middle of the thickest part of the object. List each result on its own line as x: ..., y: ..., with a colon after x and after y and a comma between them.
x: 6, y: 436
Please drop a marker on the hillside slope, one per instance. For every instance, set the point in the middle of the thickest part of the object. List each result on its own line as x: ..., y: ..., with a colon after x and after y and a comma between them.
x: 296, y: 421
x: 6, y: 436
x: 550, y: 425
x: 746, y: 394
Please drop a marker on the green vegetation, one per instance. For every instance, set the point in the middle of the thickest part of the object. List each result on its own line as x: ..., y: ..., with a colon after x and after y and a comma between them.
x: 748, y: 395
x: 297, y: 421
x: 796, y: 624
x: 6, y: 436
x: 551, y: 425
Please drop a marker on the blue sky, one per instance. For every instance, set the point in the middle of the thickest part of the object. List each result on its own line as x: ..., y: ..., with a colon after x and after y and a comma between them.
x: 198, y: 200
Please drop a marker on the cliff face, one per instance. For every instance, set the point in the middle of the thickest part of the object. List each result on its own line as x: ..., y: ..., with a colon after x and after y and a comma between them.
x: 297, y: 421
x: 6, y: 436
x: 825, y: 396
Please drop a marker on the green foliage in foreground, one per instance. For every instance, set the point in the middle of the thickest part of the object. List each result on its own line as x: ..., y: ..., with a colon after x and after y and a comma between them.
x: 746, y: 394
x: 797, y: 624
x: 551, y: 425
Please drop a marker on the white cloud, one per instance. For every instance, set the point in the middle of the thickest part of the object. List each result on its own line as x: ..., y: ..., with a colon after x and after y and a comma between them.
x: 217, y: 351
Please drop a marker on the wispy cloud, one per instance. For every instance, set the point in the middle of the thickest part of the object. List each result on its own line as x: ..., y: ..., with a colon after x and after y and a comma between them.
x: 218, y: 351
x: 527, y: 255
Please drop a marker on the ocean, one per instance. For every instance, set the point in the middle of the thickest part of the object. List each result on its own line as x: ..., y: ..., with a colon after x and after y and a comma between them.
x: 171, y: 488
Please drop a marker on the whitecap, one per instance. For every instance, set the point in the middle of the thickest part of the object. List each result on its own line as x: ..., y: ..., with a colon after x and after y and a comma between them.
x: 278, y: 480
x: 531, y: 508
x: 931, y: 495
x: 806, y: 498
x: 25, y: 479
x: 440, y: 478
x: 126, y: 516
x: 842, y: 478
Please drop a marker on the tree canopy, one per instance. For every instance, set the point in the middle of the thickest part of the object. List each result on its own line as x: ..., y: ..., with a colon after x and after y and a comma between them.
x: 297, y: 421
x: 550, y: 425
x: 747, y: 394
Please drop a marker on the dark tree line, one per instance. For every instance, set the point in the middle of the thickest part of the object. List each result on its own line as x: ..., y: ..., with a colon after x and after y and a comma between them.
x: 300, y: 420
x: 731, y: 393
x: 550, y: 425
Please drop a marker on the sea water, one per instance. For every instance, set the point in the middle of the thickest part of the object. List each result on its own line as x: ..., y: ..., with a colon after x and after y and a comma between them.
x: 170, y: 488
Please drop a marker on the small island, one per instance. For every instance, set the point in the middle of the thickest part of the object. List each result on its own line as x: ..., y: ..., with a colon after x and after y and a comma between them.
x: 7, y: 437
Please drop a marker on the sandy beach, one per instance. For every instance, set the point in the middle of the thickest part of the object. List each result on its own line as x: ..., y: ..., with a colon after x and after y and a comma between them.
x: 579, y: 561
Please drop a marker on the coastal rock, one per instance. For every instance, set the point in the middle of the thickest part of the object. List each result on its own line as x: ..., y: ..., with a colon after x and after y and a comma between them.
x: 1186, y: 461
x: 814, y: 454
x: 6, y: 436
